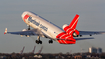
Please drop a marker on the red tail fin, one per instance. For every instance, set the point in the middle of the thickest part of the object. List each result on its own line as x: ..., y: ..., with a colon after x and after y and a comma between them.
x: 74, y: 22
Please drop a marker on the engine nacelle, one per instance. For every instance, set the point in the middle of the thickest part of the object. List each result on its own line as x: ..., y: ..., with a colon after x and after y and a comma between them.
x: 24, y: 30
x: 74, y: 34
x: 70, y: 31
x: 25, y: 35
x: 65, y: 25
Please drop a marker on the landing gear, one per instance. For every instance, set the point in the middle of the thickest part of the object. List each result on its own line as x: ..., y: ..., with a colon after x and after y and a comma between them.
x: 28, y: 27
x: 38, y: 41
x: 50, y: 41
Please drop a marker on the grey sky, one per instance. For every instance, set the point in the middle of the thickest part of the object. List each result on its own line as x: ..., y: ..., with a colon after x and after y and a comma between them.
x: 92, y: 17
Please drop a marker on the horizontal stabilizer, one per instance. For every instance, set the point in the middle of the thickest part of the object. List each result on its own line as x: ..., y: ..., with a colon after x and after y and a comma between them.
x: 84, y: 38
x: 91, y: 32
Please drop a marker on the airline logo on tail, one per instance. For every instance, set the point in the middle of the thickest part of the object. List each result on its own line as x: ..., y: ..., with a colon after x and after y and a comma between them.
x: 73, y: 24
x: 70, y: 31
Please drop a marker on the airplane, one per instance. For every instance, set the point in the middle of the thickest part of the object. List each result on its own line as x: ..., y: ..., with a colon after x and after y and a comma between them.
x: 44, y: 28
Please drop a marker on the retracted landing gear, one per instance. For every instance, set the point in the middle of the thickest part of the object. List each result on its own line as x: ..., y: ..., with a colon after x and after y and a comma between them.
x: 38, y: 41
x: 50, y: 41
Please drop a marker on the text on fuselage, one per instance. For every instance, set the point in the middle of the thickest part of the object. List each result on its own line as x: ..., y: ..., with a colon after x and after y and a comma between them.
x: 37, y: 24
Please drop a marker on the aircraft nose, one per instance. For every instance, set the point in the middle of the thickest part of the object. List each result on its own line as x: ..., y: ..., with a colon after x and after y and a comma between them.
x: 24, y: 13
x: 25, y: 16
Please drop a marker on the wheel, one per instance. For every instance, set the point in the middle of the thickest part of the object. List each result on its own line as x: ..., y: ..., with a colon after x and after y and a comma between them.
x: 80, y: 35
x: 28, y: 27
x: 40, y: 42
x: 37, y: 41
x: 50, y: 41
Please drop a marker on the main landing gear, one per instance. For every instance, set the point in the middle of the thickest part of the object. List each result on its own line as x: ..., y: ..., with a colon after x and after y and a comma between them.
x: 50, y: 41
x: 38, y: 41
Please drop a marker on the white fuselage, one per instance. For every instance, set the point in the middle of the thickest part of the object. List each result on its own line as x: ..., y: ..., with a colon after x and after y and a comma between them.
x: 42, y: 24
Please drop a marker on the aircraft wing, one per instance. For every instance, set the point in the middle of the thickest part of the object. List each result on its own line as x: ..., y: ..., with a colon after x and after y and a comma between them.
x: 91, y: 32
x: 27, y: 32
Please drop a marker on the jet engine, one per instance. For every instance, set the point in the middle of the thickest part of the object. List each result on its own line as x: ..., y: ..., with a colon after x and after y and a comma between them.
x: 25, y: 35
x: 70, y: 31
x: 24, y: 30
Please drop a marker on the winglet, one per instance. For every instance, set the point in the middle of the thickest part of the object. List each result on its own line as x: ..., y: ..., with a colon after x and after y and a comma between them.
x: 5, y: 31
